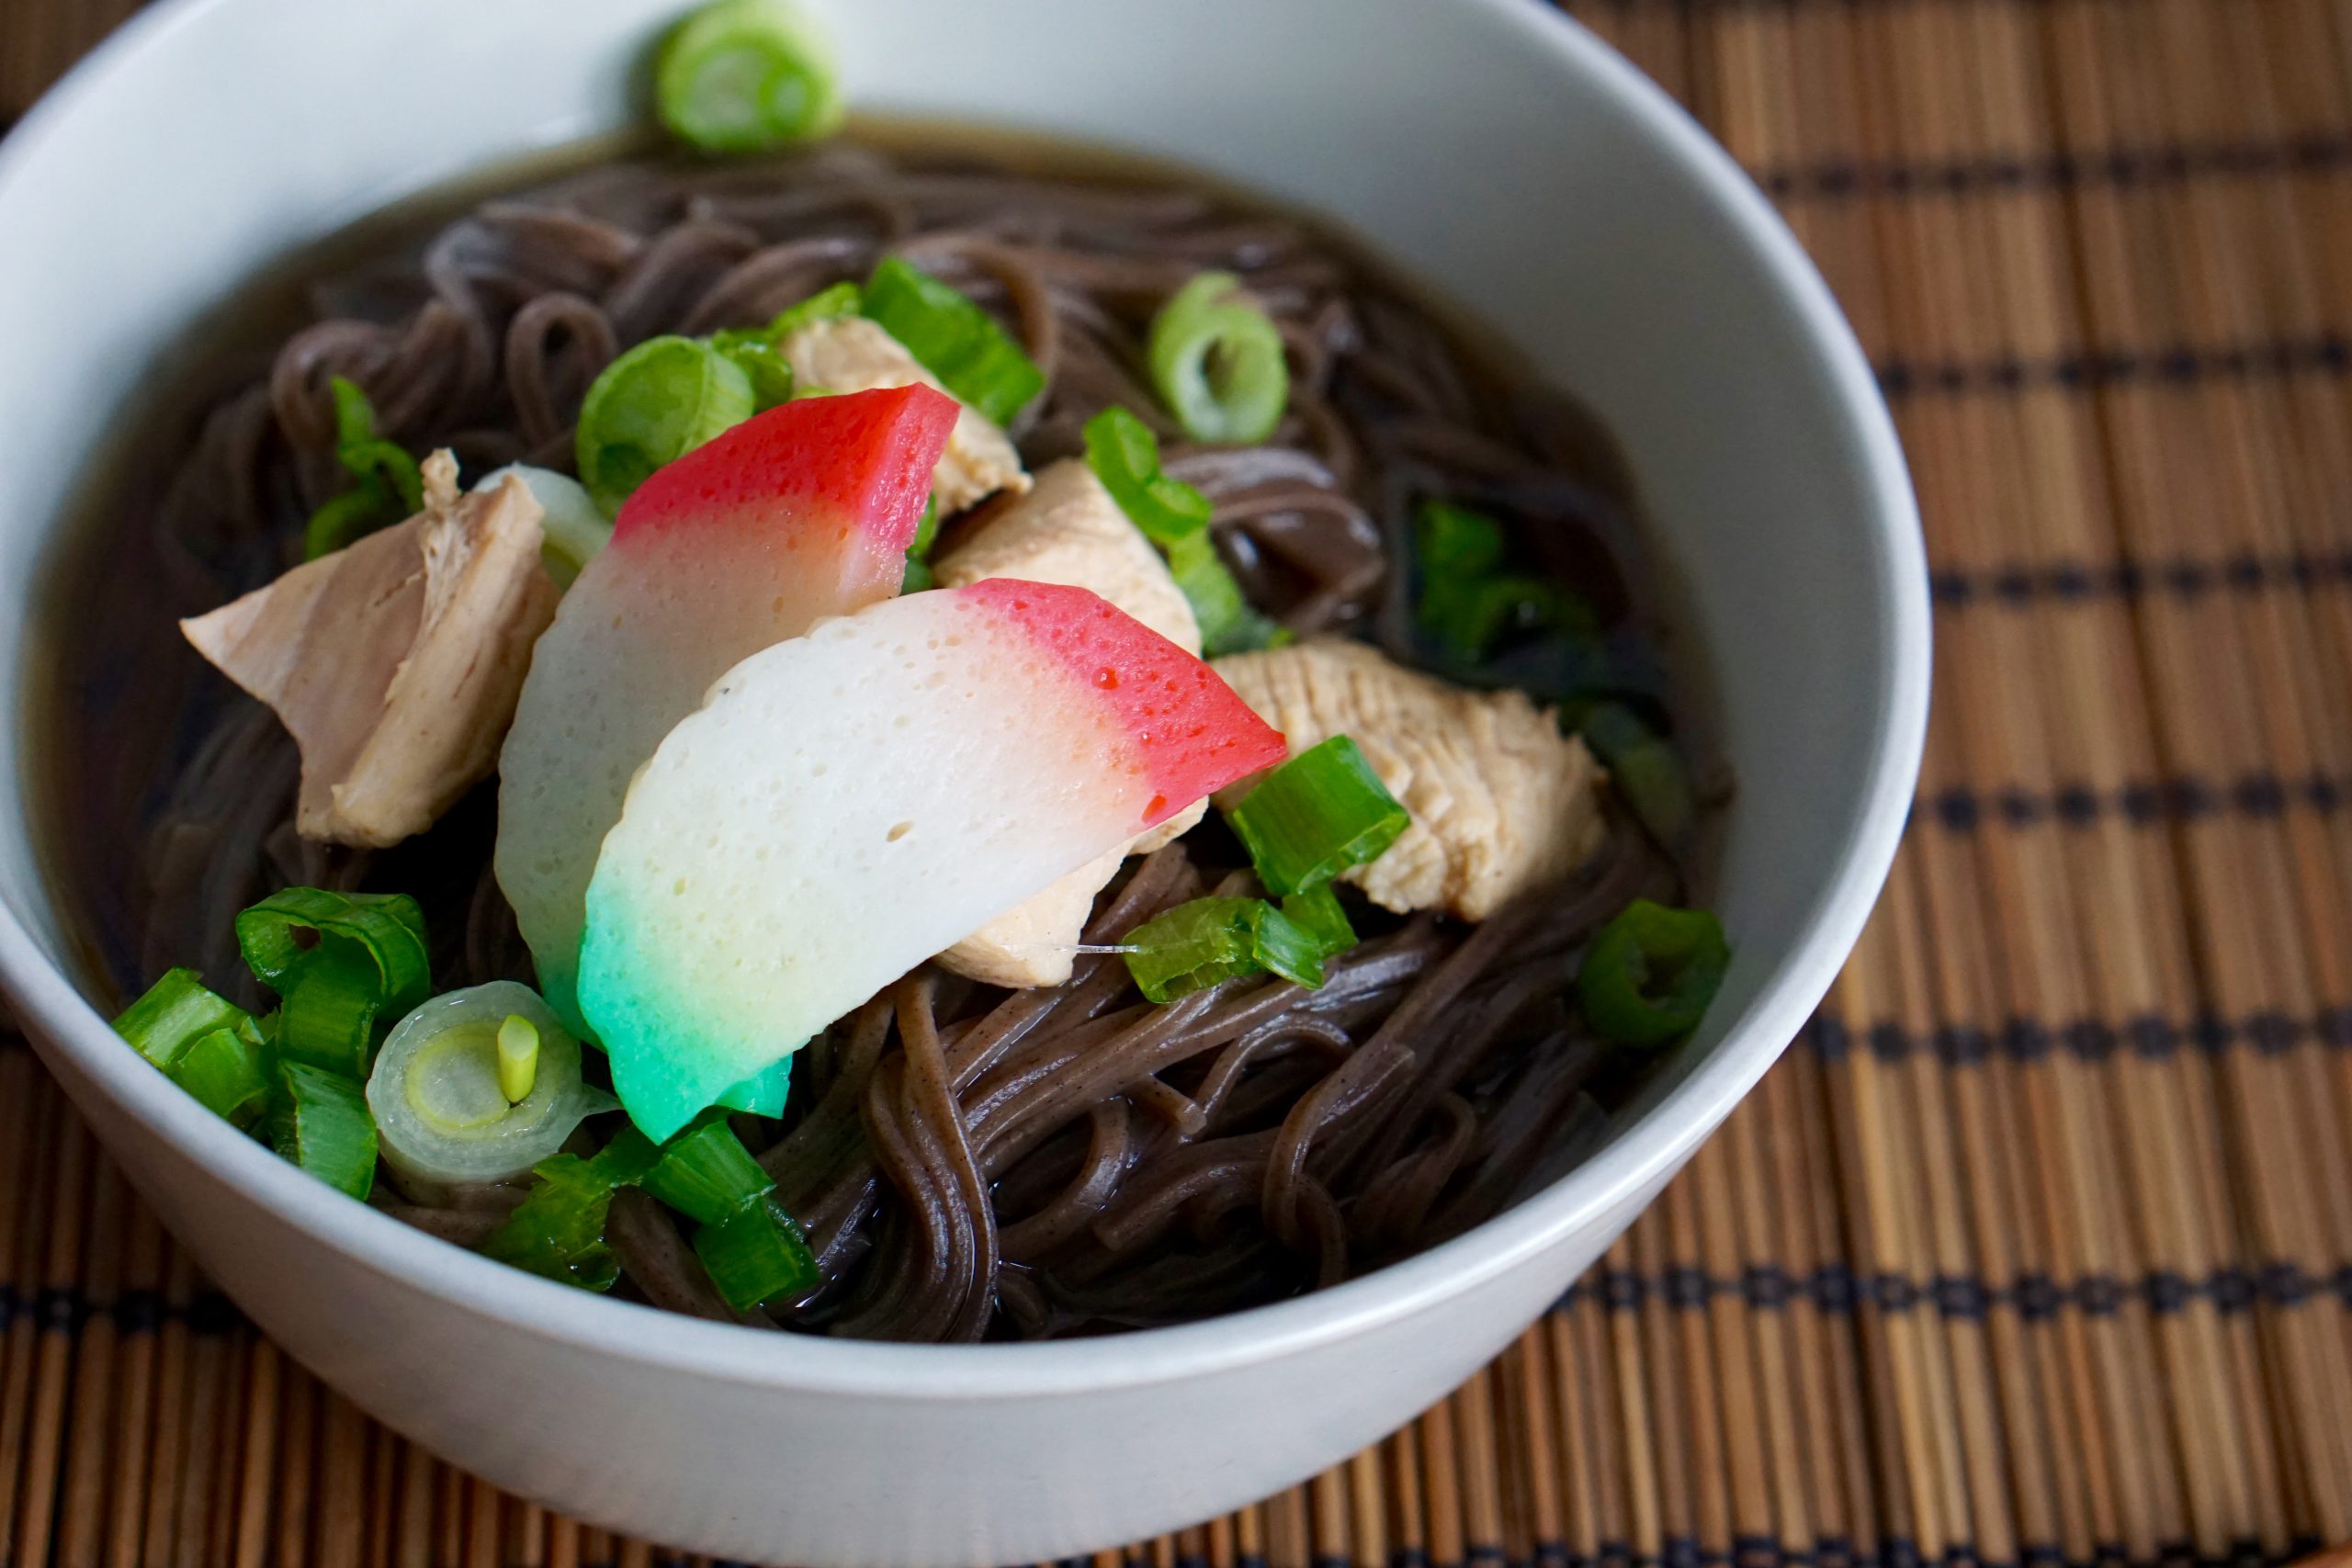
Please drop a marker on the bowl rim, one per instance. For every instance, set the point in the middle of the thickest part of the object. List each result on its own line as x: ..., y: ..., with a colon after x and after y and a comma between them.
x: 1638, y: 1159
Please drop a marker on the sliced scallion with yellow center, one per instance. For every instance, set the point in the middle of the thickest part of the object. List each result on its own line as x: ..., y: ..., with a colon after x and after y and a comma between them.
x: 444, y: 1087
x: 1216, y: 361
x: 745, y: 76
x: 650, y: 407
x: 954, y: 339
x: 1317, y: 815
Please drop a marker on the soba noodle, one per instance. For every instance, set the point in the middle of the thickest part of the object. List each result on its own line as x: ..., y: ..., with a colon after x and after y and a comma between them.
x: 968, y: 1163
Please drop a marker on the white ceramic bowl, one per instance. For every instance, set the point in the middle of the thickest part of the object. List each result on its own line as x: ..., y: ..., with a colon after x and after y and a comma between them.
x: 1488, y: 145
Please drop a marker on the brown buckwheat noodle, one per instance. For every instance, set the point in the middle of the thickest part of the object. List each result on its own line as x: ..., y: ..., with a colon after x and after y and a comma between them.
x: 968, y: 1163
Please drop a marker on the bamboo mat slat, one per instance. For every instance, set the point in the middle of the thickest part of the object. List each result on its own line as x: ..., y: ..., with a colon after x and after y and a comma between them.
x: 2036, y: 1251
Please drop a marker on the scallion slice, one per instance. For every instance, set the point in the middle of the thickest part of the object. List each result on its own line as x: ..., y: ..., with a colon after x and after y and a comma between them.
x: 174, y: 1013
x: 440, y: 1089
x: 753, y: 353
x: 828, y: 304
x: 1217, y: 360
x: 651, y: 406
x: 746, y: 75
x: 1316, y: 816
x: 706, y: 1173
x: 953, y: 338
x: 1645, y: 771
x: 756, y: 1255
x: 388, y: 927
x: 572, y: 528
x: 329, y: 1008
x: 1467, y: 601
x: 1317, y: 912
x: 319, y: 1121
x: 1197, y: 944
x: 1650, y: 972
x: 1228, y: 622
x: 1124, y: 455
x: 367, y: 962
x: 557, y: 1230
x: 390, y: 484
x: 224, y: 1072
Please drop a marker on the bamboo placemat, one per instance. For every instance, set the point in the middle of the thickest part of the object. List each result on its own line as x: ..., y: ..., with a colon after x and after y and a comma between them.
x: 2036, y: 1252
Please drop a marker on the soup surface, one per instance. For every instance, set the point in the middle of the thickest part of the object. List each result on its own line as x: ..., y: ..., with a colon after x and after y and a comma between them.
x: 967, y: 1161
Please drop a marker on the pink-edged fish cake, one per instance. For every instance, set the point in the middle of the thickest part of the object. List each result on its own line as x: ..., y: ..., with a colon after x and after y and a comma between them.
x: 800, y: 512
x: 852, y: 801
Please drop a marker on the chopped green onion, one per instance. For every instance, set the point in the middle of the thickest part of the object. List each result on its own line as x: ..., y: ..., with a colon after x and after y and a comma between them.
x: 572, y: 529
x: 331, y: 1006
x: 651, y: 406
x: 319, y: 1121
x: 389, y: 485
x: 626, y: 1159
x: 388, y: 927
x: 1644, y: 769
x: 1283, y: 947
x: 1467, y: 602
x: 1650, y: 972
x: 756, y: 1255
x: 558, y: 1229
x: 518, y: 1058
x: 1124, y: 455
x: 954, y: 339
x: 918, y: 574
x: 762, y: 1094
x: 1316, y: 816
x: 1217, y: 359
x: 753, y: 353
x: 707, y: 1174
x: 174, y: 1013
x: 444, y: 1088
x: 1228, y: 622
x: 747, y: 75
x: 1317, y: 912
x: 826, y: 305
x: 223, y: 1070
x: 367, y: 962
x: 1197, y: 944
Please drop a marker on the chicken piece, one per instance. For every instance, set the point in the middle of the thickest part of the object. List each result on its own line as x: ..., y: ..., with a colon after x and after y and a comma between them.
x: 1501, y: 801
x: 1066, y: 530
x: 850, y: 354
x: 395, y: 662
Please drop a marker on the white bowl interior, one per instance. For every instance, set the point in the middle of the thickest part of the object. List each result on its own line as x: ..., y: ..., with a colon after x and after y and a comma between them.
x: 1485, y: 147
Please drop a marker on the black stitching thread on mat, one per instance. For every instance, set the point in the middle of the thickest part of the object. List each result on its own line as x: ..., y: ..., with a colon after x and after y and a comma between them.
x: 61, y: 1309
x: 1838, y: 1291
x: 2150, y: 1036
x: 2179, y: 365
x: 2143, y: 803
x: 2066, y: 582
x: 2120, y: 167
